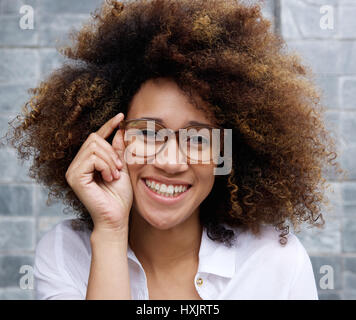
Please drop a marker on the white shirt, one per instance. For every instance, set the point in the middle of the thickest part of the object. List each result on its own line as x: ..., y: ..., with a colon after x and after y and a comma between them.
x: 253, y: 268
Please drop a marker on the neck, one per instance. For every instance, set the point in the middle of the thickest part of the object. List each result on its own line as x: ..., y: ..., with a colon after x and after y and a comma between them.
x: 162, y: 250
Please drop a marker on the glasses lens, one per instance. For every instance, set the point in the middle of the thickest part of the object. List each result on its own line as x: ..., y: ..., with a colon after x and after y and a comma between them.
x: 142, y: 138
x: 196, y: 143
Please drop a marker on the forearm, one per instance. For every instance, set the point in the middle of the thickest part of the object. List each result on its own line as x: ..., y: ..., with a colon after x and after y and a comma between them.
x: 109, y: 271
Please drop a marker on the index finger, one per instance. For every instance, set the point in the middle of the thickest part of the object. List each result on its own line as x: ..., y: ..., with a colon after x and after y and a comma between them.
x: 109, y: 126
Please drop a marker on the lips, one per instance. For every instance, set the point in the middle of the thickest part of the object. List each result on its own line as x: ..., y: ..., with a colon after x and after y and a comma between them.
x: 167, y: 190
x: 165, y: 193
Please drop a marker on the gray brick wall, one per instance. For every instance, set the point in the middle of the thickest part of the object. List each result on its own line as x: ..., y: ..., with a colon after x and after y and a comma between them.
x: 29, y: 55
x: 331, y: 53
x: 26, y: 57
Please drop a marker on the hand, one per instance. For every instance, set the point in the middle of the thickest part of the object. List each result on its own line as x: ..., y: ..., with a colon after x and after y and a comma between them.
x: 108, y: 197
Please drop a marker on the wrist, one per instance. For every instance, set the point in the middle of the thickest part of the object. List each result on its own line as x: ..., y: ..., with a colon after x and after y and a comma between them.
x: 108, y: 236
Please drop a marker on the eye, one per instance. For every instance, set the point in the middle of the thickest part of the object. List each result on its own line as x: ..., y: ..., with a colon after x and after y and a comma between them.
x: 149, y: 133
x: 198, y: 140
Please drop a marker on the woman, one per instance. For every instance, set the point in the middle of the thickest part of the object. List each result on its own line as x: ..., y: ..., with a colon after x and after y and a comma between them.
x: 162, y: 228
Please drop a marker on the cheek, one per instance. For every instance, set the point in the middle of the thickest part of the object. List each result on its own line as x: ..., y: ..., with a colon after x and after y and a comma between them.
x: 206, y: 178
x: 134, y: 170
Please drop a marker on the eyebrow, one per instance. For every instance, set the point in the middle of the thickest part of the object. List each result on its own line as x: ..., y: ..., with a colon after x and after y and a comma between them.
x: 193, y: 123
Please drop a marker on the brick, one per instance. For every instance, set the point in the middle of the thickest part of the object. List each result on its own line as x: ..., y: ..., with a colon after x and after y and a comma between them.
x: 325, y: 240
x: 13, y: 6
x: 9, y: 269
x: 4, y: 126
x: 348, y: 192
x: 55, y: 209
x: 349, y: 281
x: 350, y: 264
x: 348, y: 93
x: 301, y: 19
x: 350, y: 277
x: 17, y: 235
x: 329, y: 296
x: 69, y: 6
x: 333, y: 123
x: 349, y: 211
x: 16, y: 294
x: 18, y: 65
x: 12, y: 170
x: 330, y: 90
x: 335, y: 263
x: 54, y: 29
x: 16, y: 200
x: 347, y: 16
x: 12, y: 35
x: 349, y: 295
x: 347, y: 160
x: 13, y: 97
x: 348, y: 127
x: 349, y: 232
x: 333, y: 193
x: 268, y: 10
x: 51, y: 59
x: 326, y: 56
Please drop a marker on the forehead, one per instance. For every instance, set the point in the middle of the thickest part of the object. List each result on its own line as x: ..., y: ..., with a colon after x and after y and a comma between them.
x: 163, y: 99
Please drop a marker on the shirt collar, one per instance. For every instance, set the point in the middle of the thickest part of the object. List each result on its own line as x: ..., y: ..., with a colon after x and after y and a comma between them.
x: 214, y: 257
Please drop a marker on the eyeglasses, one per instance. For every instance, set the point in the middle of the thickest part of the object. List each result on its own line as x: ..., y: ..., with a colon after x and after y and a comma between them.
x: 146, y: 138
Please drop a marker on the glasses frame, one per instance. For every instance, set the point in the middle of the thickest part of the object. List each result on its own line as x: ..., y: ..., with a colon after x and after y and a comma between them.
x: 123, y: 125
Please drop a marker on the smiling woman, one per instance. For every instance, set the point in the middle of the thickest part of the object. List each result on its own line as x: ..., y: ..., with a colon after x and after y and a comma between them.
x: 164, y: 228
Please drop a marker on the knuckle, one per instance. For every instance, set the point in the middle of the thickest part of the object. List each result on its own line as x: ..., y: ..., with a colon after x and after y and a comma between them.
x: 93, y: 136
x: 92, y: 157
x: 93, y: 145
x: 68, y: 177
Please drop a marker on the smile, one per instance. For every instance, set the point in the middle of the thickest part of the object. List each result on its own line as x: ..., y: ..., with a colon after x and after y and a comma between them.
x: 171, y: 190
x: 167, y: 194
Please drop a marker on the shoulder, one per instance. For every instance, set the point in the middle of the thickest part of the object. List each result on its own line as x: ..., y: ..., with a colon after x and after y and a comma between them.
x: 265, y: 248
x: 264, y: 268
x: 61, y: 262
x: 268, y: 241
x: 62, y: 238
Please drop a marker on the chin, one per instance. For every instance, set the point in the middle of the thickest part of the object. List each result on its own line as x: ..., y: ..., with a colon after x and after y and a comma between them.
x: 161, y: 219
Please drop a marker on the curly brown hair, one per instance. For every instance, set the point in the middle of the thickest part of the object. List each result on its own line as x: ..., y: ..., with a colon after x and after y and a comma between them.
x: 227, y: 53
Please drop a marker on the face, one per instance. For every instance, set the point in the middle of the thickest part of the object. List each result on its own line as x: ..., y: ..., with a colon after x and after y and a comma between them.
x: 191, y: 182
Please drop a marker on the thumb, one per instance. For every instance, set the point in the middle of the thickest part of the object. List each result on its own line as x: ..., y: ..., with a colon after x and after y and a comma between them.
x: 118, y: 145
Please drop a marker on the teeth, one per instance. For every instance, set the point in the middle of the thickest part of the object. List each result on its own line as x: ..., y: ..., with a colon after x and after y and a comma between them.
x: 167, y: 191
x: 170, y: 189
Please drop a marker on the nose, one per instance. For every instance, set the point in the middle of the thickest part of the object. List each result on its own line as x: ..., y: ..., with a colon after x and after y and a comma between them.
x: 170, y: 158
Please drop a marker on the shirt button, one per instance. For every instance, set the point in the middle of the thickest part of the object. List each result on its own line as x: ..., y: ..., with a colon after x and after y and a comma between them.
x: 199, y: 281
